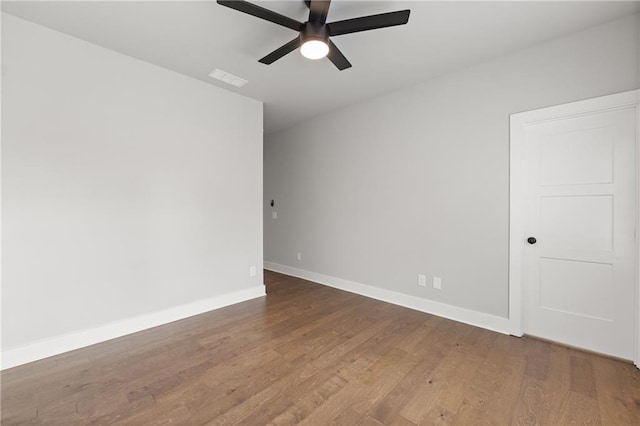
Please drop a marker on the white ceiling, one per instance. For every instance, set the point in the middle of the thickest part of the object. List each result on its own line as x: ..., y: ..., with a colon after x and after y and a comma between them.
x: 193, y: 38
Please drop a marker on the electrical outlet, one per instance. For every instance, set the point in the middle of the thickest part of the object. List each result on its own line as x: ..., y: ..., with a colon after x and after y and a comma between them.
x: 274, y: 215
x: 422, y: 280
x: 437, y: 283
x: 252, y: 271
x: 299, y: 256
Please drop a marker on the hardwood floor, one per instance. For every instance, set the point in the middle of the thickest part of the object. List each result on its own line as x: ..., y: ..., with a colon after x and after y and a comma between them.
x: 314, y: 355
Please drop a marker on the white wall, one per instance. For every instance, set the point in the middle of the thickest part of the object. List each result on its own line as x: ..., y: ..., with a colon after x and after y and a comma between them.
x: 128, y: 192
x: 417, y: 181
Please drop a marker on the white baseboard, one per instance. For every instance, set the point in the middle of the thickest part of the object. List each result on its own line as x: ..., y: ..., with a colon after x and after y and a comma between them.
x: 56, y: 345
x: 467, y: 316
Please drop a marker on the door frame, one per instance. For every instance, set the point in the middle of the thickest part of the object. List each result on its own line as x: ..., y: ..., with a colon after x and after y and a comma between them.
x: 518, y: 122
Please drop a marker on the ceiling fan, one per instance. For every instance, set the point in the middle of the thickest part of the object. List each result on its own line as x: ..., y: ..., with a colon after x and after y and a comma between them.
x: 313, y: 39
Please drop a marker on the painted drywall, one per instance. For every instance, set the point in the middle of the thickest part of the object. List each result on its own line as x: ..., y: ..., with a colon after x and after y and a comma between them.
x: 417, y: 182
x: 127, y: 190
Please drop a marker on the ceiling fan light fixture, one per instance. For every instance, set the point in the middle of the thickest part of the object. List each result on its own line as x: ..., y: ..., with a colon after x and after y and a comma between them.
x: 314, y: 40
x: 314, y: 49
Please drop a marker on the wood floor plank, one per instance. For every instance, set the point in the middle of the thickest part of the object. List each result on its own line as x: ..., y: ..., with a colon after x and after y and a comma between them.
x: 448, y: 380
x: 530, y: 402
x: 388, y: 409
x: 313, y: 355
x: 308, y: 403
x: 337, y: 405
x: 557, y: 386
x: 614, y: 407
x: 582, y: 378
x: 485, y: 398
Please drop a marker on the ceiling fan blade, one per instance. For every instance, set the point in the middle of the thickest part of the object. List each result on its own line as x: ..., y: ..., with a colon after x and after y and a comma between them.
x: 281, y: 51
x: 366, y: 23
x: 336, y: 56
x: 318, y: 10
x: 262, y: 13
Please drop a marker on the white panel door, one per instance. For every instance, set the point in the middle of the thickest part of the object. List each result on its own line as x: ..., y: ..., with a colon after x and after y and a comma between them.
x: 579, y: 183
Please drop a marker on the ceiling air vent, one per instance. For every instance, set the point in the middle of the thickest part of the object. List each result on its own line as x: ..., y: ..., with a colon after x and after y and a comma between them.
x: 228, y: 78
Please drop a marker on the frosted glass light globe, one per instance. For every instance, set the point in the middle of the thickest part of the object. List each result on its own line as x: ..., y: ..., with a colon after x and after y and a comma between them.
x: 314, y: 49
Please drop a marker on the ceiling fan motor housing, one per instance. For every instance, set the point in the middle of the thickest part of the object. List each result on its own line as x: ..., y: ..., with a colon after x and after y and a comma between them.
x: 314, y: 31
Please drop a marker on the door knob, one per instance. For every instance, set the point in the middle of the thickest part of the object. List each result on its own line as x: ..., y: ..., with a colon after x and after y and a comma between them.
x: 531, y: 240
